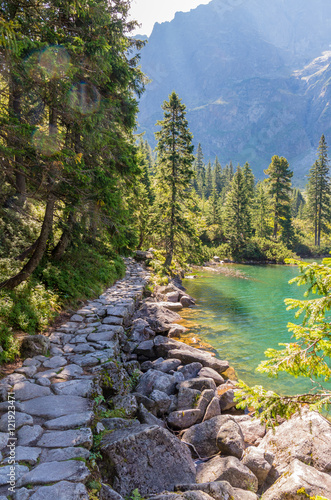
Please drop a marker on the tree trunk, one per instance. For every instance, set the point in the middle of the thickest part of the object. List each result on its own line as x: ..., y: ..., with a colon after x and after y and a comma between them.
x: 31, y: 265
x: 65, y: 238
x: 27, y: 252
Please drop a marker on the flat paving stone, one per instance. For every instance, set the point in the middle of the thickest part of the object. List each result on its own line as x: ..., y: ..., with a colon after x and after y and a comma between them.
x: 84, y: 360
x: 45, y: 374
x: 70, y: 371
x: 43, y: 381
x: 55, y: 362
x: 77, y: 318
x: 20, y: 470
x: 61, y: 491
x: 61, y: 439
x: 110, y: 328
x: 61, y: 454
x: 70, y: 421
x: 20, y: 420
x: 113, y: 320
x: 69, y: 327
x: 31, y: 362
x: 51, y: 472
x: 78, y: 339
x: 83, y: 349
x: 27, y: 390
x: 29, y: 434
x: 4, y: 436
x: 122, y: 312
x: 28, y: 371
x: 55, y: 406
x: 102, y: 336
x: 29, y: 454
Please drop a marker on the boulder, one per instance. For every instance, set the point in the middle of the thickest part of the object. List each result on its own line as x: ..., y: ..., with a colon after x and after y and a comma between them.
x: 251, y: 428
x: 127, y: 403
x: 190, y: 371
x: 166, y: 365
x: 176, y: 330
x: 190, y: 355
x: 163, y: 460
x: 187, y: 398
x: 206, y: 372
x: 141, y: 331
x: 230, y: 439
x: 184, y: 418
x: 172, y: 306
x: 259, y: 462
x: 300, y: 482
x: 156, y: 380
x: 158, y: 318
x: 213, y: 409
x: 33, y: 345
x: 114, y: 379
x: 146, y: 349
x: 172, y: 296
x: 204, y: 400
x: 202, y: 437
x: 306, y: 437
x: 187, y: 301
x: 219, y: 490
x: 227, y: 469
x: 146, y: 417
x: 162, y: 402
x: 199, y: 383
x: 140, y: 255
x: 226, y: 395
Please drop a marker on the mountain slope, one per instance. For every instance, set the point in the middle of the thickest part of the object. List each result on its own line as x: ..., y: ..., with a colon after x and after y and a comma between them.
x: 240, y: 68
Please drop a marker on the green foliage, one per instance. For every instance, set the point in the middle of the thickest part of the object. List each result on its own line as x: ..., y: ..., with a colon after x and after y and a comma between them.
x: 135, y: 495
x: 308, y: 355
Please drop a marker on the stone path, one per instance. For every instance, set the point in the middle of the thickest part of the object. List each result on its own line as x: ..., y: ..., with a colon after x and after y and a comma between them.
x: 47, y: 404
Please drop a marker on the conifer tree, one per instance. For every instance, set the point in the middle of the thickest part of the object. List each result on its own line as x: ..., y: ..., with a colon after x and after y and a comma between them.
x: 261, y: 211
x: 200, y: 172
x: 319, y: 191
x: 249, y: 180
x: 209, y: 181
x: 217, y: 176
x: 279, y: 182
x: 174, y: 174
x: 237, y: 218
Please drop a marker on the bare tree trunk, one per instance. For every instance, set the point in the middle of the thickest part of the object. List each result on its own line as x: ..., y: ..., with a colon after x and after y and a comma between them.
x: 37, y: 255
x: 27, y: 252
x: 65, y: 238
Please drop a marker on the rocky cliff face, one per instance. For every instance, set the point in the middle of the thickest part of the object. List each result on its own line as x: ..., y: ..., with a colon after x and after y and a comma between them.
x: 254, y: 78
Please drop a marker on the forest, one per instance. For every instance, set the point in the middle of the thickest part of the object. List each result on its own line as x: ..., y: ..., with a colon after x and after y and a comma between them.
x: 79, y: 188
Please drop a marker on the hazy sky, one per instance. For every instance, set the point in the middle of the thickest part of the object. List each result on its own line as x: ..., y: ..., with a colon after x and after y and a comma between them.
x: 148, y: 12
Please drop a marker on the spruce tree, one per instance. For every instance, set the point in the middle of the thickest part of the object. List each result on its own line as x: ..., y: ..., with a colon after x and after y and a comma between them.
x: 237, y: 217
x: 319, y: 191
x: 279, y: 182
x: 209, y: 181
x: 200, y: 172
x: 217, y: 176
x: 174, y: 174
x: 261, y: 211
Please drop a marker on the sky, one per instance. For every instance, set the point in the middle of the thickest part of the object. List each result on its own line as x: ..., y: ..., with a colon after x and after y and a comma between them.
x: 148, y: 12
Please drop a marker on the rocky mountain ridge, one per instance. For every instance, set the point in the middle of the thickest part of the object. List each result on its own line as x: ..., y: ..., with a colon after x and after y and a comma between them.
x: 255, y: 80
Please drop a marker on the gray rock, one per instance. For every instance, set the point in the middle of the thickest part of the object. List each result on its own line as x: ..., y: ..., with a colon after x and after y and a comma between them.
x: 252, y: 429
x: 145, y: 348
x: 172, y: 306
x: 121, y: 312
x: 172, y: 296
x: 167, y: 365
x: 55, y: 351
x: 306, y: 437
x: 145, y: 417
x: 50, y: 472
x: 61, y: 439
x: 194, y: 355
x: 226, y: 395
x: 187, y: 398
x: 107, y: 493
x: 82, y: 388
x: 83, y: 348
x: 219, y: 490
x: 204, y: 400
x: 26, y: 390
x: 239, y: 494
x: 55, y: 362
x: 176, y: 330
x: 31, y: 362
x: 158, y: 318
x: 27, y: 454
x: 202, y: 437
x: 12, y: 471
x: 199, y: 383
x: 69, y: 327
x: 114, y: 379
x: 107, y: 336
x: 184, y: 418
x: 187, y: 301
x: 155, y: 380
x: 299, y: 476
x: 46, y: 374
x: 127, y: 403
x: 28, y: 435
x: 191, y: 370
x: 113, y: 320
x: 63, y: 490
x: 22, y: 494
x: 206, y: 372
x: 115, y: 424
x: 163, y: 460
x: 162, y: 402
x: 45, y: 382
x: 70, y: 421
x: 227, y: 469
x: 55, y: 406
x: 77, y: 318
x: 70, y: 371
x: 20, y: 420
x: 213, y: 409
x: 4, y: 436
x: 255, y: 460
x: 34, y: 345
x: 28, y: 371
x: 61, y: 454
x: 141, y: 331
x: 230, y: 439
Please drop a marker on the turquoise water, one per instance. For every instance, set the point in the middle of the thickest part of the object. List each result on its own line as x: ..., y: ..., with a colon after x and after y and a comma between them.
x: 240, y: 318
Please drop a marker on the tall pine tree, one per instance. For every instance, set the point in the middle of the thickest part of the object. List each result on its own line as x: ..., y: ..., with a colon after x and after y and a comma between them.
x: 174, y: 173
x: 319, y: 191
